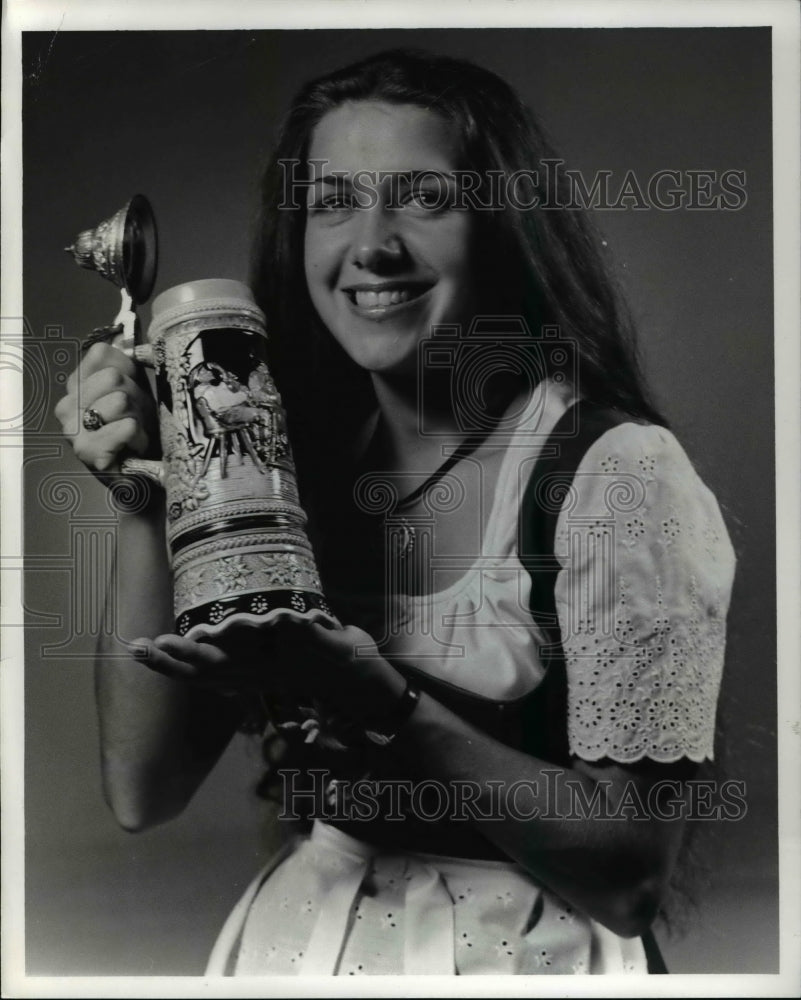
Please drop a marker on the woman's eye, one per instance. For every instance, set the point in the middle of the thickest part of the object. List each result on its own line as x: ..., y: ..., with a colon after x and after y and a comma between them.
x: 332, y: 203
x: 431, y: 199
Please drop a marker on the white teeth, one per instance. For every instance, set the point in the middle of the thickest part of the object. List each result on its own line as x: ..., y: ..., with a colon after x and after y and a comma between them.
x: 369, y: 300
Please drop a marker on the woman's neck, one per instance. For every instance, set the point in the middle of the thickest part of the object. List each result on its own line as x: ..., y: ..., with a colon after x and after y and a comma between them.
x: 411, y: 414
x: 421, y: 416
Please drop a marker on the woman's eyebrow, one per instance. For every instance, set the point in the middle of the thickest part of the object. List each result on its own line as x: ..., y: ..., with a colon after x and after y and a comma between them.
x: 345, y: 177
x: 339, y: 178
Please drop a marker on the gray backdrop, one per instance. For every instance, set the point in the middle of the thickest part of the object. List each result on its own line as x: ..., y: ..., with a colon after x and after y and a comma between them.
x: 186, y: 118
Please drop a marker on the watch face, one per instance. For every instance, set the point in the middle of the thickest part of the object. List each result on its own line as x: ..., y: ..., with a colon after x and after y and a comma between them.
x: 403, y: 711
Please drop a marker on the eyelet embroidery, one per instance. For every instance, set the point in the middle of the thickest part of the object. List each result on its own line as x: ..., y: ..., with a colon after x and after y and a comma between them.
x: 635, y: 528
x: 647, y: 465
x: 488, y: 935
x: 644, y: 669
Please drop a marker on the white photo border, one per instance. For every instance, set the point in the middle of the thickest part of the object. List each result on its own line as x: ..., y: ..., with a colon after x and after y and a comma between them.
x: 80, y: 15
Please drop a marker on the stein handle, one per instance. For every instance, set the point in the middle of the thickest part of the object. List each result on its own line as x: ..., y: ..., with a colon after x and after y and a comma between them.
x: 127, y: 323
x: 149, y: 468
x: 122, y: 334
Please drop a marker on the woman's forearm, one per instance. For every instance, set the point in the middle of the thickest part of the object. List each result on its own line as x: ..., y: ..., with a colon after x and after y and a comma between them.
x: 159, y: 738
x: 614, y: 869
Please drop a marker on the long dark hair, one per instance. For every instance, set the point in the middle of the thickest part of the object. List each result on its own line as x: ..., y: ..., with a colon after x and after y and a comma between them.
x: 544, y: 264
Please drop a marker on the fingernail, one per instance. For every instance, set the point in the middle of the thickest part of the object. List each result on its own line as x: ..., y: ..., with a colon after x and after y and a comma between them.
x: 138, y: 648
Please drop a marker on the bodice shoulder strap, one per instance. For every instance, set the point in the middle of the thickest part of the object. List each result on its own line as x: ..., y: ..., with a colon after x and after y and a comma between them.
x: 582, y: 424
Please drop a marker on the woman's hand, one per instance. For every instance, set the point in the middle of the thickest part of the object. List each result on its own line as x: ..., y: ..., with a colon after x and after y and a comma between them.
x: 109, y: 383
x: 289, y: 657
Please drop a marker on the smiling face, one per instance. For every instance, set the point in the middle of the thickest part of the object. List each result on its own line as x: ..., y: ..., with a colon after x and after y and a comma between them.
x: 387, y: 255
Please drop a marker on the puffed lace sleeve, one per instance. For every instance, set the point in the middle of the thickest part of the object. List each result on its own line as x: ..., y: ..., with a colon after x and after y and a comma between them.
x: 642, y: 599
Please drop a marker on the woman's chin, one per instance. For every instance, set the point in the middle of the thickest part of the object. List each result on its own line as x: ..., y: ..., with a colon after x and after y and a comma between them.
x: 403, y: 367
x: 385, y: 354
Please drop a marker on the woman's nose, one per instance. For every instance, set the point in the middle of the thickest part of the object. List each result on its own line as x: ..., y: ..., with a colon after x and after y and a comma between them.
x: 376, y: 241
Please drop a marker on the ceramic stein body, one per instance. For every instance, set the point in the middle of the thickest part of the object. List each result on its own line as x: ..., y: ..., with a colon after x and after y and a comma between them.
x: 235, y: 527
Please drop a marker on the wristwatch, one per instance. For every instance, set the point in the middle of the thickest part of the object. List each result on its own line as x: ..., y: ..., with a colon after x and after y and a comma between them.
x: 392, y: 724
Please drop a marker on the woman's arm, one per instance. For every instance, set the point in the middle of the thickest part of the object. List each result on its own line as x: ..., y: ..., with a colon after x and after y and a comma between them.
x: 615, y: 869
x: 159, y: 737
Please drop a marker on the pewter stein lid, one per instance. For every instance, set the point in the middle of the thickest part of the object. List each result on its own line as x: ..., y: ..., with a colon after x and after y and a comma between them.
x: 122, y: 249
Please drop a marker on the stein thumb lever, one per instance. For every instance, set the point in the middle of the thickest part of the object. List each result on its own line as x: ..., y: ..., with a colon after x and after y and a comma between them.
x: 147, y: 467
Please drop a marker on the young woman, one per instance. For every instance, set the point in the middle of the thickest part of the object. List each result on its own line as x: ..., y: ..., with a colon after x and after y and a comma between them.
x: 535, y: 670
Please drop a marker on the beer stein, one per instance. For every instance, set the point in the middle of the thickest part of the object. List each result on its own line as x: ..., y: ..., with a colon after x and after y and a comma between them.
x: 235, y: 527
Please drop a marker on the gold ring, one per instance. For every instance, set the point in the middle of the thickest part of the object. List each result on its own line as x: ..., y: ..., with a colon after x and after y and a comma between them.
x: 92, y: 421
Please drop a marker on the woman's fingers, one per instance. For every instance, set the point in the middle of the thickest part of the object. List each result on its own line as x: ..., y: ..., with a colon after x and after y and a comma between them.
x: 110, y: 393
x: 126, y: 410
x: 245, y: 657
x: 206, y: 660
x: 146, y: 651
x: 181, y: 658
x: 205, y: 664
x: 117, y: 394
x: 202, y: 653
x: 293, y: 657
x: 102, y: 369
x: 98, y: 357
x: 100, y: 450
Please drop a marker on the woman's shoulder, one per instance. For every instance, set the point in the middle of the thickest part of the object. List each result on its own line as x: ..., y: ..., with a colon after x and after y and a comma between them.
x: 631, y: 449
x: 604, y: 447
x: 649, y: 448
x: 639, y: 474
